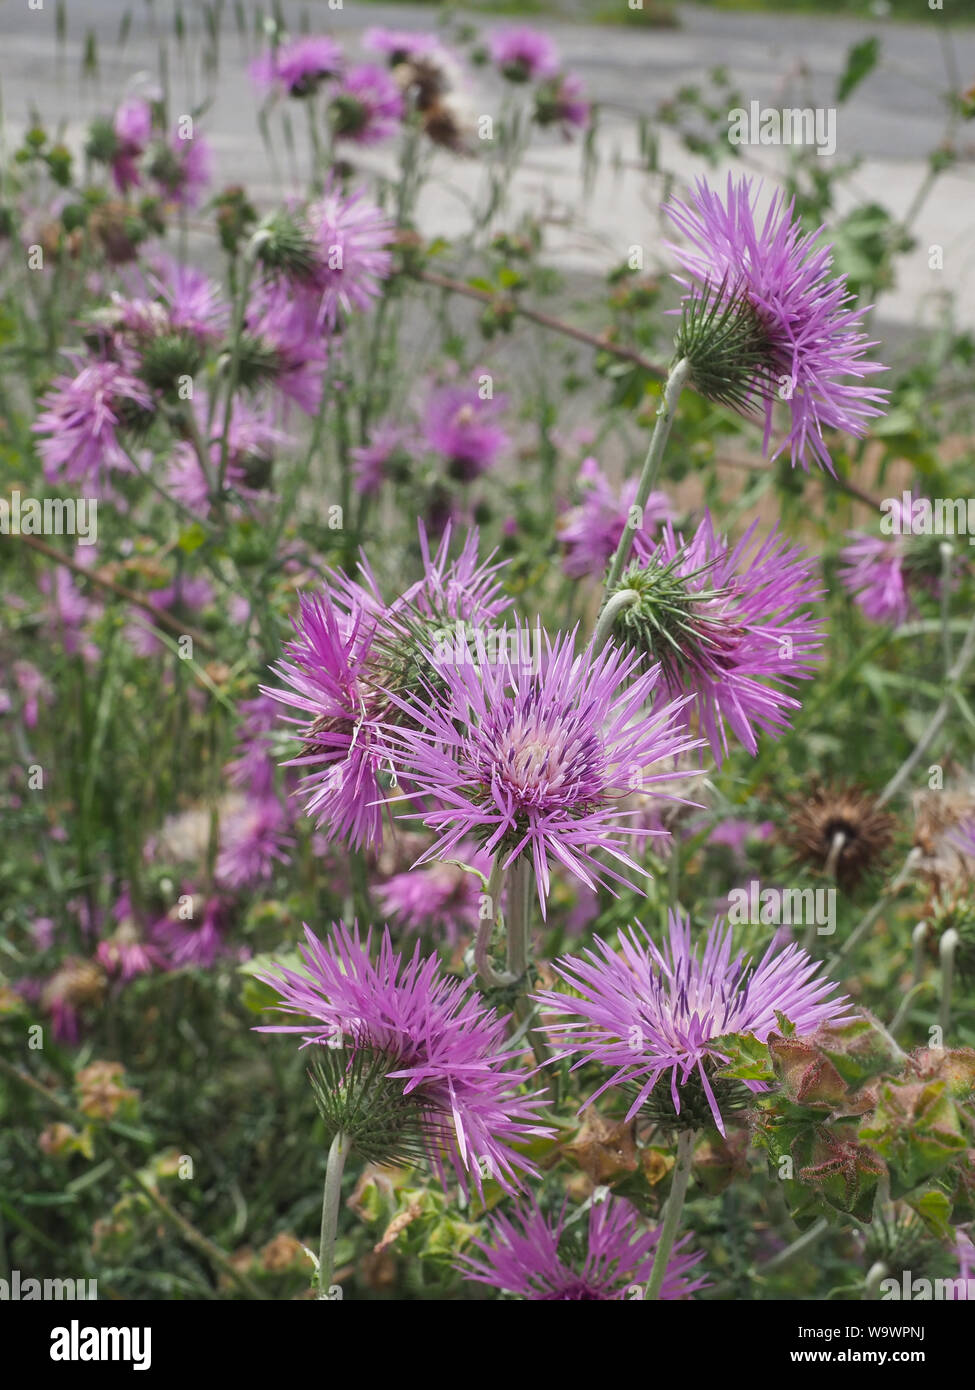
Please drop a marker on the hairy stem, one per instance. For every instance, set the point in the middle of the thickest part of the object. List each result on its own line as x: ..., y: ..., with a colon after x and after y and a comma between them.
x: 672, y: 1213
x: 675, y: 383
x: 331, y: 1194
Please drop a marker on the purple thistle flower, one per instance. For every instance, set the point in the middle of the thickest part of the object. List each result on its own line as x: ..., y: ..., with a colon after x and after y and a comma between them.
x: 82, y: 415
x: 253, y: 839
x: 327, y: 679
x: 367, y: 106
x: 252, y: 766
x: 810, y: 335
x: 524, y: 55
x: 873, y: 572
x: 885, y: 574
x: 347, y: 641
x: 286, y: 330
x: 181, y: 167
x: 561, y: 102
x: 299, y: 67
x: 372, y: 463
x: 401, y: 45
x: 194, y: 302
x: 430, y: 1031
x: 543, y: 1259
x: 591, y: 531
x: 727, y: 626
x: 351, y: 236
x: 171, y: 299
x: 196, y: 939
x: 645, y: 1013
x: 462, y: 427
x: 133, y: 131
x: 438, y: 896
x: 533, y: 755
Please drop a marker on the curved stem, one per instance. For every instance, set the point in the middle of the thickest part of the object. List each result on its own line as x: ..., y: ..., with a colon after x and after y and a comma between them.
x: 946, y: 950
x: 482, y: 942
x: 672, y: 1214
x: 611, y: 610
x: 331, y: 1194
x: 675, y: 383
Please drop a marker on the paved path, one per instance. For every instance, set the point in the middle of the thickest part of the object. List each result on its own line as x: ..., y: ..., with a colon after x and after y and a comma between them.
x: 890, y: 124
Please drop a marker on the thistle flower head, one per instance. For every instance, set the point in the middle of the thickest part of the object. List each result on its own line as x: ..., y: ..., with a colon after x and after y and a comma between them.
x: 727, y: 625
x: 300, y: 66
x: 193, y: 933
x: 524, y: 55
x: 367, y: 106
x: 352, y: 654
x: 765, y: 318
x: 547, y: 1258
x: 326, y: 677
x: 351, y: 236
x: 81, y: 419
x: 419, y: 1062
x: 463, y: 427
x: 532, y: 753
x: 591, y: 531
x: 841, y: 831
x: 649, y: 1013
x: 560, y: 102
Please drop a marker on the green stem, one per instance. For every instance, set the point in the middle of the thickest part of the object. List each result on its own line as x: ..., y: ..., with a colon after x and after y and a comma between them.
x: 240, y: 309
x: 672, y: 1213
x: 517, y: 922
x: 331, y: 1194
x: 611, y: 610
x: 482, y: 942
x: 946, y: 950
x: 675, y: 383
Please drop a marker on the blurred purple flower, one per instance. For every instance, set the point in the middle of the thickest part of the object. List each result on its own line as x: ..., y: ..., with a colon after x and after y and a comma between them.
x: 299, y: 66
x: 81, y: 416
x: 524, y: 55
x: 461, y: 426
x: 367, y: 105
x: 592, y: 530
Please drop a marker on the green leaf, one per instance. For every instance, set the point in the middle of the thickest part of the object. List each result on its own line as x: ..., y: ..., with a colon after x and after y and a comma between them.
x: 748, y: 1058
x: 860, y: 61
x: 192, y: 538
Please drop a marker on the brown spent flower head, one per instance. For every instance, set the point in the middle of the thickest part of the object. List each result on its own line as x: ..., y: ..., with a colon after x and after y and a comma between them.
x: 839, y: 831
x: 100, y: 1090
x: 604, y: 1148
x: 937, y: 816
x: 77, y: 983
